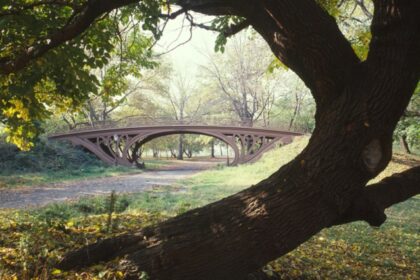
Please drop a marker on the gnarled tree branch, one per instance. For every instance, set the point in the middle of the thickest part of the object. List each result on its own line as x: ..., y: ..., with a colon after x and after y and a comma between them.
x: 370, y: 203
x: 305, y: 38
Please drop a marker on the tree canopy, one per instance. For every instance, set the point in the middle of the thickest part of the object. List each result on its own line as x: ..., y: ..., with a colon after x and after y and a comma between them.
x: 50, y: 51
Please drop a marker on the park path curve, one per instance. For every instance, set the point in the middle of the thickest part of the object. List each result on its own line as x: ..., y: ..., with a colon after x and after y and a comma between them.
x: 36, y: 196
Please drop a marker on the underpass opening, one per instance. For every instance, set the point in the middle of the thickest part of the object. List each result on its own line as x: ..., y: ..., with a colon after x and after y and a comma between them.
x: 186, y: 149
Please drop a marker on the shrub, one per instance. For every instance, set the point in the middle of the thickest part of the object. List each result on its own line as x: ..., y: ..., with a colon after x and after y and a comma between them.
x: 45, y: 156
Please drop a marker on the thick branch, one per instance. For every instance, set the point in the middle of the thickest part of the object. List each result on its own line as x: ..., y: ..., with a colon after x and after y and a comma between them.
x: 232, y: 30
x: 370, y: 203
x: 396, y: 36
x: 305, y: 38
x: 396, y: 188
x: 392, y: 69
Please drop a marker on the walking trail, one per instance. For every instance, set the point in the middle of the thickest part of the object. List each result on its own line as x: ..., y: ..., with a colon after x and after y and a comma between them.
x: 35, y: 196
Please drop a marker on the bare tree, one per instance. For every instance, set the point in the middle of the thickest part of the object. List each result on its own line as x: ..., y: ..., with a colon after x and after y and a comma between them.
x: 241, y: 76
x: 180, y: 100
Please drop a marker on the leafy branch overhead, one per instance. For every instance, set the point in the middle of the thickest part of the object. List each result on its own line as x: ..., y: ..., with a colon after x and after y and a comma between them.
x: 49, y: 61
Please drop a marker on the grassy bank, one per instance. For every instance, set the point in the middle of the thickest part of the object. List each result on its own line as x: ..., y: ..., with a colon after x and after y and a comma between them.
x: 353, y: 251
x: 52, y: 162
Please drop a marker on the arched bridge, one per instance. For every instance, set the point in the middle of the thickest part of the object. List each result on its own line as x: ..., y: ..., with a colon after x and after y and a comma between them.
x: 121, y: 145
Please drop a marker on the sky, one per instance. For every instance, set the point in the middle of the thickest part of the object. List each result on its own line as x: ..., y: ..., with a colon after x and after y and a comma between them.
x: 186, y: 58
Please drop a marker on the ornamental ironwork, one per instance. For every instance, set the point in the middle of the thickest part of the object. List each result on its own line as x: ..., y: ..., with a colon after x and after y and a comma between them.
x: 121, y: 146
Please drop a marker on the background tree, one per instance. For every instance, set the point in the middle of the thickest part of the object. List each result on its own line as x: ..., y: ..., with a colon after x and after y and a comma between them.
x: 194, y: 144
x: 62, y: 75
x: 407, y: 132
x: 178, y: 100
x: 294, y: 107
x: 117, y: 80
x: 242, y: 80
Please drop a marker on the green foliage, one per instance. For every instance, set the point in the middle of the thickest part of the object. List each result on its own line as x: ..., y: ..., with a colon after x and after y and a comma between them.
x: 354, y: 22
x: 45, y: 156
x: 64, y: 77
x: 86, y: 206
x: 276, y: 64
x: 409, y: 128
x: 223, y: 24
x: 331, y: 6
x: 409, y: 125
x: 194, y: 144
x: 360, y: 42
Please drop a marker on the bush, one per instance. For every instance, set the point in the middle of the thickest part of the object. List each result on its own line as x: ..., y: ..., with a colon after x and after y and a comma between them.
x: 45, y: 156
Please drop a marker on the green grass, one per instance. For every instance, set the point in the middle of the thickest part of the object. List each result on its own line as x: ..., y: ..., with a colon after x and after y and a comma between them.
x: 352, y: 251
x: 52, y: 162
x: 358, y: 251
x: 99, y: 170
x: 46, y: 177
x: 201, y: 189
x: 157, y: 163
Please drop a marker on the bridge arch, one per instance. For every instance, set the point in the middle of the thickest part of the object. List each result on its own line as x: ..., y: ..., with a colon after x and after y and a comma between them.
x: 143, y: 139
x: 114, y: 146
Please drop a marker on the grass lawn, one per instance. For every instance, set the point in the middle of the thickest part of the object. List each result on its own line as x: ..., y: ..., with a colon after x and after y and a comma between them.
x: 53, y: 161
x: 45, y: 177
x: 24, y: 178
x: 32, y: 241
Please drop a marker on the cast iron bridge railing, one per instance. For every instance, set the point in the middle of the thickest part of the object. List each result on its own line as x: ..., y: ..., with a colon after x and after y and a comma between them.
x: 136, y: 121
x: 121, y: 145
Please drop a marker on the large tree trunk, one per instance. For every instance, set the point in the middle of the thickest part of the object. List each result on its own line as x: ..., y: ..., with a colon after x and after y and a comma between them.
x: 358, y: 106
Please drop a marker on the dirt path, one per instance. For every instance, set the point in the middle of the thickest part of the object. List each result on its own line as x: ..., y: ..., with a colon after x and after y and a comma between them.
x: 41, y: 195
